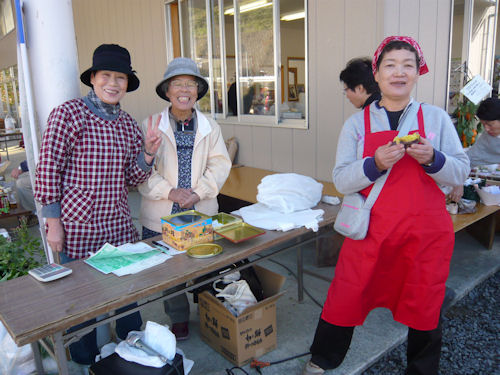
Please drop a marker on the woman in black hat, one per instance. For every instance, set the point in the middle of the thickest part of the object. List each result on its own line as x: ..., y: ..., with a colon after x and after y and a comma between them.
x: 91, y: 151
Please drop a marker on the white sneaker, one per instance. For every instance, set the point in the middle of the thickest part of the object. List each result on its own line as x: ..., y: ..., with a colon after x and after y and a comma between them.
x: 312, y: 369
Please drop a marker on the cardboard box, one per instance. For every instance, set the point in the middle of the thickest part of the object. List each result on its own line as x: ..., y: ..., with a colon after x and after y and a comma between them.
x: 183, y: 235
x: 250, y: 335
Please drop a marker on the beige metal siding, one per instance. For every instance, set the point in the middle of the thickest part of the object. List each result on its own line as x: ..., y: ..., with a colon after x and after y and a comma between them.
x: 8, y: 50
x: 338, y: 31
x: 138, y: 25
x: 428, y: 21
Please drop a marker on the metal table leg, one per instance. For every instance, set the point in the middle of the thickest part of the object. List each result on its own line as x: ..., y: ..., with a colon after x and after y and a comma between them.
x: 62, y: 363
x: 6, y: 147
x: 38, y: 358
x: 300, y: 274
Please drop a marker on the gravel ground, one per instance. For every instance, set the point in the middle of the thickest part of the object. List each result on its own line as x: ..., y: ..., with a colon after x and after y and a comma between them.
x: 471, y: 336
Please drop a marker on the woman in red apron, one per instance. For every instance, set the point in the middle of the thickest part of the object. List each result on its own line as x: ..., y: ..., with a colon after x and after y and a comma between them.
x: 403, y: 262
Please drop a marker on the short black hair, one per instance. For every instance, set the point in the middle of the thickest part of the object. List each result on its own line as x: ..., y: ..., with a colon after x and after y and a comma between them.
x: 358, y: 71
x: 397, y: 45
x: 489, y: 110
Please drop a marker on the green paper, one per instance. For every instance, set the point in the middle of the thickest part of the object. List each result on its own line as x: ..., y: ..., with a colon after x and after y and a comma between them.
x: 110, y: 258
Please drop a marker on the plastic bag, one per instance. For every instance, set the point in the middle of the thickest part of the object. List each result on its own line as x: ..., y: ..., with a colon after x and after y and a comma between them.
x: 289, y: 192
x: 14, y: 360
x: 466, y: 206
x: 238, y: 294
x: 157, y: 337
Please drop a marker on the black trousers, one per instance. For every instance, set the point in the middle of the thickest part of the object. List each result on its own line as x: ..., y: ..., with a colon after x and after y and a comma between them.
x: 331, y: 343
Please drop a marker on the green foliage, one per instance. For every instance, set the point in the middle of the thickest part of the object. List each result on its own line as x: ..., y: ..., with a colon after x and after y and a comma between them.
x: 20, y: 255
x: 467, y: 124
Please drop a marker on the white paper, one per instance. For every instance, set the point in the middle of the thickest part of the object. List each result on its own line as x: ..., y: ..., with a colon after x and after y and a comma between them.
x: 136, y: 248
x: 167, y: 249
x: 142, y: 265
x: 476, y: 89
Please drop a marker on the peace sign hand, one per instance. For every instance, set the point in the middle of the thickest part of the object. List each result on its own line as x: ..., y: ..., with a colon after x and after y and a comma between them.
x: 153, y: 138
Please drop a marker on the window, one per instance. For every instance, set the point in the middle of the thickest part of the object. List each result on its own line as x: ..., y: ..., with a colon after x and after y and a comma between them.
x: 9, y: 93
x: 472, y: 46
x: 6, y: 17
x: 247, y: 50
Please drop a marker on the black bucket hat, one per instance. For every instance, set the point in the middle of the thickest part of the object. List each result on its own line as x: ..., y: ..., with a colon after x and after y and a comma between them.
x: 115, y: 58
x: 178, y: 67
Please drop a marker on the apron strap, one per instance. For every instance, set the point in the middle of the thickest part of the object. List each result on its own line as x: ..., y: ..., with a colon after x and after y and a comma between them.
x: 367, y: 120
x: 420, y: 116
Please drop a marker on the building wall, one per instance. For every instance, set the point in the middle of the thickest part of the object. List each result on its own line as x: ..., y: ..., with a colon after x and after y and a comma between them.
x: 8, y: 45
x: 138, y: 25
x: 338, y: 31
x: 8, y: 50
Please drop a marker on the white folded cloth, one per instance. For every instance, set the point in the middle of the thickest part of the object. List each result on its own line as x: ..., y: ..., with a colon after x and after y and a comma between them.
x: 289, y: 192
x: 262, y: 216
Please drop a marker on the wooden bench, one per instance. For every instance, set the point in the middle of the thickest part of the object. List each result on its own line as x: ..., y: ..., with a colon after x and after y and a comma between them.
x: 481, y: 224
x: 19, y: 213
x: 240, y: 190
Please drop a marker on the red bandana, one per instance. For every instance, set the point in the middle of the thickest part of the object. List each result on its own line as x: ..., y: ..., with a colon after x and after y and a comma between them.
x: 423, y: 66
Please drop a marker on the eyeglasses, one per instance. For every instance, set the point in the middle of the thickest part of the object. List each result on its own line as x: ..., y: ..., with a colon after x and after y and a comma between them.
x: 179, y: 84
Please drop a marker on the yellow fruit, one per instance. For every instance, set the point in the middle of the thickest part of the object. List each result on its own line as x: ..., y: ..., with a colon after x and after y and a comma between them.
x: 410, y: 138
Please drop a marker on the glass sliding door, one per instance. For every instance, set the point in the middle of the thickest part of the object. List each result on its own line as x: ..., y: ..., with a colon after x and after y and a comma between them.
x: 218, y: 78
x: 255, y: 58
x: 482, y: 47
x: 194, y: 40
x: 472, y: 45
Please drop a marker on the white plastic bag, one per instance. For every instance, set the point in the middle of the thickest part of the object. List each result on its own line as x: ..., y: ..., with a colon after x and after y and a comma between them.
x: 14, y: 360
x: 238, y: 294
x: 157, y: 337
x: 289, y: 192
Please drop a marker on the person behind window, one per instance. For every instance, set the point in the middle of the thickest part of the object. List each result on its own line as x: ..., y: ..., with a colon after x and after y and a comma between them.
x: 248, y: 99
x: 191, y: 166
x: 486, y: 149
x: 231, y: 99
x: 403, y: 262
x: 359, y: 84
x: 91, y: 151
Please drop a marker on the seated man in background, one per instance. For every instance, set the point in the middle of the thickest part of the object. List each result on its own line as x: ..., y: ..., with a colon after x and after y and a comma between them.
x: 359, y: 84
x: 24, y: 189
x: 486, y: 149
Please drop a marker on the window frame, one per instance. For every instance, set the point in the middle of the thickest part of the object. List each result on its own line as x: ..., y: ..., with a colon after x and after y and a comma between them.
x: 466, y: 43
x: 243, y: 119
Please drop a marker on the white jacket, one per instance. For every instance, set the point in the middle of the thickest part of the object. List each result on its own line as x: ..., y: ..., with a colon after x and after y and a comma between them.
x: 210, y: 166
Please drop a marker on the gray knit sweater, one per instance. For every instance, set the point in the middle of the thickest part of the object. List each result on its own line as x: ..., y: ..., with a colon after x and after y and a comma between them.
x: 485, y: 151
x: 353, y: 173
